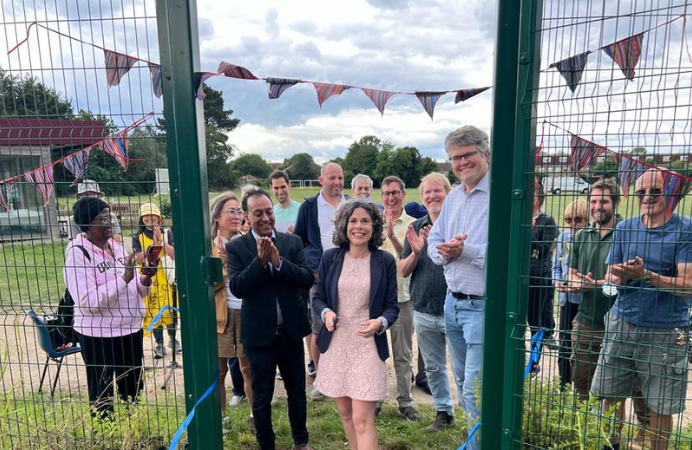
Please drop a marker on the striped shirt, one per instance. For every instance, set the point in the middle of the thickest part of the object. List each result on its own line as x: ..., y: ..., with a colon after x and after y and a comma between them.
x: 464, y: 213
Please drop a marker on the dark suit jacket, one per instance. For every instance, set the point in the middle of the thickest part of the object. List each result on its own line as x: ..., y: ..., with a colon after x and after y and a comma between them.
x: 383, y: 293
x: 260, y: 287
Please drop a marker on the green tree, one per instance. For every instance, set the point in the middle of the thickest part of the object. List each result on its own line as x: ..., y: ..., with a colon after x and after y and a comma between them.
x: 606, y: 169
x: 251, y: 164
x: 427, y: 165
x: 27, y: 97
x: 407, y: 165
x: 301, y: 166
x: 361, y: 157
x: 681, y: 167
x: 385, y: 163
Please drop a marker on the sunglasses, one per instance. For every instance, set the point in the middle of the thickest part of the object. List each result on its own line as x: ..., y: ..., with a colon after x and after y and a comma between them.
x: 653, y: 192
x: 578, y: 219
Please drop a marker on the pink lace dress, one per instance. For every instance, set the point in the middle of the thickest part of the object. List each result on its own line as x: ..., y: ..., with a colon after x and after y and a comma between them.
x: 351, y: 366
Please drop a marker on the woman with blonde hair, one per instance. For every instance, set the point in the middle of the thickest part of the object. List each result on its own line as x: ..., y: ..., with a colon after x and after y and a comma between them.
x: 575, y: 218
x: 226, y: 214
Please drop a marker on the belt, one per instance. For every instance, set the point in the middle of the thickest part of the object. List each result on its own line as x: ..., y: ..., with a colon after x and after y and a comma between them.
x: 462, y: 296
x: 279, y: 329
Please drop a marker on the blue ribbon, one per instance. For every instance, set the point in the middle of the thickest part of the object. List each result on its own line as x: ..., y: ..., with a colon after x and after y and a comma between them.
x: 158, y: 315
x: 468, y: 439
x: 191, y: 415
x: 535, y: 351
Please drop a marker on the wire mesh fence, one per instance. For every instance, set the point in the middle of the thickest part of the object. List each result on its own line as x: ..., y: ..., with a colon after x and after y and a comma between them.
x: 609, y: 289
x: 65, y: 135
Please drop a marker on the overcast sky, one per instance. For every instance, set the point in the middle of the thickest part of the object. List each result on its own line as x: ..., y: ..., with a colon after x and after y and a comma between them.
x: 399, y: 45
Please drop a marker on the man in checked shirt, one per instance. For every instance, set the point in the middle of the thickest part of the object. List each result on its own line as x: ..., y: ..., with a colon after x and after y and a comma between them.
x: 458, y: 242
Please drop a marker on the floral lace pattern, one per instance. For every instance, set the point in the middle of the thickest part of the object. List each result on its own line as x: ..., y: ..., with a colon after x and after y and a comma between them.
x: 351, y: 366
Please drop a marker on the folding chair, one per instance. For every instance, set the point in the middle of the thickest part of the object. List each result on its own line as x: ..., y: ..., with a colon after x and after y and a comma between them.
x: 52, y: 354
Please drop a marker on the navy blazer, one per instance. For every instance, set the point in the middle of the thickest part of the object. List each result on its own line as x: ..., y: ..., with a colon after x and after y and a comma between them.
x: 383, y: 293
x: 260, y: 288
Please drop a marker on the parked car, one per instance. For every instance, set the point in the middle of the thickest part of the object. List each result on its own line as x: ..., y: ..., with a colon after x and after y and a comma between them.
x: 557, y: 185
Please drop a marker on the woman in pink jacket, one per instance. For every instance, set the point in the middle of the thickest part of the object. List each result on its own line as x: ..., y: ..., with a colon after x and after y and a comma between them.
x: 108, y: 309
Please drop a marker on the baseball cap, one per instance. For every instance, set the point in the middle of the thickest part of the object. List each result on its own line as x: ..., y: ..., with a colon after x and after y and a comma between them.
x: 88, y: 186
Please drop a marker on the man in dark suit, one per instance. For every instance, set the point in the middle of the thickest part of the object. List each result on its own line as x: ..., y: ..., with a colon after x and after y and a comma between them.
x: 267, y: 270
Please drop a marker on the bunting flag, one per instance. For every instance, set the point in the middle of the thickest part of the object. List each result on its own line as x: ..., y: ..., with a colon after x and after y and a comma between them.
x: 428, y: 100
x: 465, y: 94
x: 584, y: 152
x: 77, y: 164
x: 379, y: 98
x: 233, y: 71
x: 117, y: 147
x: 6, y: 195
x: 204, y: 76
x: 326, y: 90
x: 42, y: 179
x: 572, y: 68
x: 156, y: 81
x: 117, y: 65
x: 629, y: 169
x: 675, y: 187
x: 278, y: 86
x: 625, y: 53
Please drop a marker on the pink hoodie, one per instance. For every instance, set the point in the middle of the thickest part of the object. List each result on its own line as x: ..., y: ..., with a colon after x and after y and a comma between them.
x: 105, y: 306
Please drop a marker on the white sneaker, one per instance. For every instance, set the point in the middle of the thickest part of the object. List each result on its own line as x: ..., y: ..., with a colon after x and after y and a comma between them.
x: 237, y: 400
x: 316, y: 395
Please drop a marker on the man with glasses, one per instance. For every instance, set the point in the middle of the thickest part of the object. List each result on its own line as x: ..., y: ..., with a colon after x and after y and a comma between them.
x: 646, y: 330
x: 397, y: 222
x: 458, y: 242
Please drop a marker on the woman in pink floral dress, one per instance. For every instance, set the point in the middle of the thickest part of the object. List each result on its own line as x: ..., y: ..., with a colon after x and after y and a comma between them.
x: 357, y: 299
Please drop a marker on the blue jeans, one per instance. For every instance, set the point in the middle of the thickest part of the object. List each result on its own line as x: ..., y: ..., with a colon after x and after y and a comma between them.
x: 464, y: 325
x: 432, y: 342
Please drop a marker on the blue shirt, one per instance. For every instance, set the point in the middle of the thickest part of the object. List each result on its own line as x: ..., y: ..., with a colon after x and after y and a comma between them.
x: 561, y: 269
x: 661, y: 249
x: 464, y: 213
x: 285, y: 216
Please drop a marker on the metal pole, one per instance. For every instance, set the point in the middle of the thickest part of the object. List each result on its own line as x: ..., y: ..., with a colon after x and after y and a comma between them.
x: 179, y: 48
x: 517, y: 59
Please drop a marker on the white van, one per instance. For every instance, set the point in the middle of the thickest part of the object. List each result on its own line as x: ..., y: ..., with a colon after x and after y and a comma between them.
x: 557, y: 185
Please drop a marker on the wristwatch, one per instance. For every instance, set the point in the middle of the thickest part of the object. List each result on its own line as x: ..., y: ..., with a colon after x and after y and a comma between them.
x: 647, y: 277
x: 609, y: 290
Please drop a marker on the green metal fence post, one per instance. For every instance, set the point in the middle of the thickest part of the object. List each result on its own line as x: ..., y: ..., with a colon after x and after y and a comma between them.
x: 517, y: 59
x: 187, y: 163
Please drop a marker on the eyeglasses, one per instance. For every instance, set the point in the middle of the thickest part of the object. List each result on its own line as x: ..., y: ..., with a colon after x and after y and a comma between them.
x: 653, y: 192
x: 233, y: 212
x: 465, y: 156
x: 578, y: 219
x: 391, y: 193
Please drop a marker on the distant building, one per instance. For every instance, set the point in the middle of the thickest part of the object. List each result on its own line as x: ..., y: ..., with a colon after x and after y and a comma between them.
x: 26, y: 144
x: 563, y: 162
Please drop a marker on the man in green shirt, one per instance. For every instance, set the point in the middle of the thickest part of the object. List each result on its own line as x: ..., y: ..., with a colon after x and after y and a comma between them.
x: 587, y: 270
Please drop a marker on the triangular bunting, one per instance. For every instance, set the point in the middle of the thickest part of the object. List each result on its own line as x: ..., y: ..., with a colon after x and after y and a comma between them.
x: 675, y: 187
x: 204, y: 76
x: 77, y: 163
x: 233, y: 71
x: 326, y: 90
x: 278, y: 86
x: 584, y: 152
x: 156, y: 81
x: 117, y: 147
x: 572, y: 68
x: 117, y: 65
x: 465, y: 94
x: 629, y: 169
x: 42, y: 179
x: 6, y: 195
x: 428, y: 100
x: 626, y: 53
x: 379, y: 98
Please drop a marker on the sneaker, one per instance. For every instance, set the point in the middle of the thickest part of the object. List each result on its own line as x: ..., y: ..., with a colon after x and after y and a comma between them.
x: 410, y: 413
x: 442, y: 420
x: 535, y: 370
x: 378, y: 409
x: 316, y: 395
x: 278, y: 375
x: 275, y: 400
x: 159, y: 351
x: 251, y: 425
x: 312, y: 371
x: 175, y: 346
x: 236, y: 400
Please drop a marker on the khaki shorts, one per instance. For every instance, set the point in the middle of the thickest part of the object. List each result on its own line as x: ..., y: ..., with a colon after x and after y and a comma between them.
x: 229, y: 341
x: 658, y: 356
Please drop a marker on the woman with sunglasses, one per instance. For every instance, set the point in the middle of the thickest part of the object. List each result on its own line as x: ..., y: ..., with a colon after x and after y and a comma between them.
x: 575, y: 218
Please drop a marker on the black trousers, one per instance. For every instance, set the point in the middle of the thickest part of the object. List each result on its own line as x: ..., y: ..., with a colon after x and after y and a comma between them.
x: 567, y: 315
x: 288, y: 355
x: 107, y: 357
x: 540, y: 307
